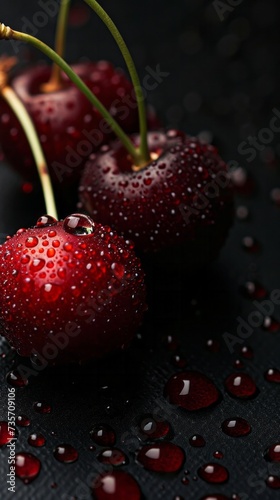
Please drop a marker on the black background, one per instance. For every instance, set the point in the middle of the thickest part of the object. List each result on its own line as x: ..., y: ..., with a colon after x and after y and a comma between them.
x: 223, y: 81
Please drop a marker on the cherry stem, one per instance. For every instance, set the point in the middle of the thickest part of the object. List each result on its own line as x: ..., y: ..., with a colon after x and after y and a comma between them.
x: 144, y: 148
x: 7, y: 33
x: 55, y: 82
x: 23, y: 117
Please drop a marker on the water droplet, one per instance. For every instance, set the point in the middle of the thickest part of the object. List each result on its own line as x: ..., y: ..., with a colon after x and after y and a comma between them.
x: 46, y: 220
x: 241, y: 385
x: 15, y: 379
x: 197, y: 441
x: 271, y: 325
x: 27, y: 467
x: 23, y: 421
x: 7, y: 433
x: 103, y: 435
x: 116, y: 485
x: 161, y: 457
x: 273, y: 375
x: 273, y: 482
x: 238, y: 364
x: 112, y: 456
x: 253, y: 290
x: 213, y: 345
x: 236, y: 427
x: 250, y: 244
x: 118, y: 270
x: 36, y: 440
x: 31, y: 242
x: 51, y: 292
x: 213, y: 473
x: 36, y: 265
x: 79, y: 225
x: 218, y: 454
x: 242, y: 213
x: 65, y: 453
x: 191, y: 390
x: 51, y: 253
x: 179, y: 360
x: 273, y: 453
x: 154, y: 429
x: 43, y: 408
x: 247, y: 352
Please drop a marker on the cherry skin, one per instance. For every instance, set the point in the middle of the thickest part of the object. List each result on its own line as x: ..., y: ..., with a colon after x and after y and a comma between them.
x: 68, y: 126
x: 182, y: 197
x: 69, y: 290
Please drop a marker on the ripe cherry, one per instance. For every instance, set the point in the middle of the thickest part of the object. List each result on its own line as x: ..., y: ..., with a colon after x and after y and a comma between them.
x: 69, y: 290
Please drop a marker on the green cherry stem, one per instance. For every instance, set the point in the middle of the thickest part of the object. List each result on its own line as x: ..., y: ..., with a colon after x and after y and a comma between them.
x: 55, y: 81
x: 144, y: 149
x: 27, y: 124
x: 7, y: 33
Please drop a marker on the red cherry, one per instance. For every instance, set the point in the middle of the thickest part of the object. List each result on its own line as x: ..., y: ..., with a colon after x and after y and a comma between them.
x: 183, y: 196
x: 69, y: 290
x: 68, y: 126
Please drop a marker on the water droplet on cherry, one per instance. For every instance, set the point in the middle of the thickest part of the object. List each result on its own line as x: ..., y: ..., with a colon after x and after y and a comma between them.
x: 79, y: 225
x: 45, y: 221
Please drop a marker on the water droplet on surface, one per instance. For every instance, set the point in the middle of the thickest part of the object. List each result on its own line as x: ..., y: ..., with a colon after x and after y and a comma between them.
x: 65, y: 453
x: 218, y: 455
x: 36, y: 265
x: 213, y: 473
x: 79, y: 225
x: 236, y: 427
x: 23, y: 421
x: 273, y: 453
x: 273, y: 482
x: 43, y: 408
x: 103, y: 435
x: 213, y: 345
x: 247, y: 352
x: 253, y: 290
x: 197, y: 441
x: 46, y: 220
x: 161, y: 457
x: 37, y: 440
x: 112, y: 456
x: 191, y: 390
x: 116, y: 485
x: 251, y: 245
x: 16, y: 380
x: 272, y: 375
x: 51, y: 292
x: 241, y: 385
x: 153, y: 429
x: 7, y: 433
x: 118, y: 270
x: 27, y: 467
x: 271, y: 325
x: 179, y: 360
x: 31, y: 242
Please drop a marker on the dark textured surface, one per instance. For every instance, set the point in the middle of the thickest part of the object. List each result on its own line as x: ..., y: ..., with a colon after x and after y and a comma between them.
x: 227, y: 71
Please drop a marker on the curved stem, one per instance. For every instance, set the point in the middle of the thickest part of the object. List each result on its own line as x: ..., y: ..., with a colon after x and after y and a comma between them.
x: 22, y: 115
x: 55, y: 82
x: 7, y: 33
x: 144, y: 149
